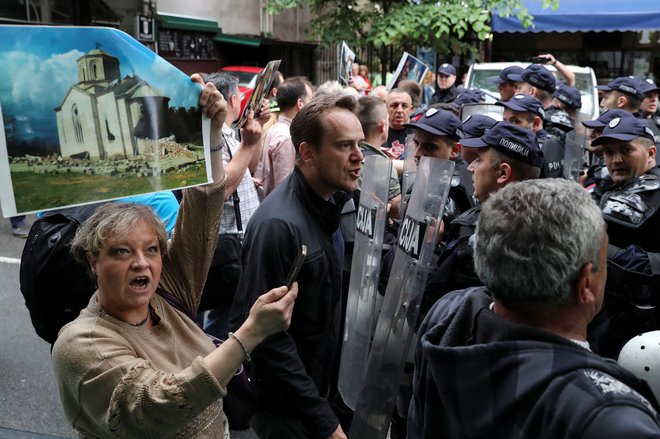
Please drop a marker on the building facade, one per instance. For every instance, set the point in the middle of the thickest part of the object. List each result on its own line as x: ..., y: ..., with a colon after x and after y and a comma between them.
x: 193, y: 35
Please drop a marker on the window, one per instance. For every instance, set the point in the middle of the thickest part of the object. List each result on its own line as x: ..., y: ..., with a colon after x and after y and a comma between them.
x: 77, y: 126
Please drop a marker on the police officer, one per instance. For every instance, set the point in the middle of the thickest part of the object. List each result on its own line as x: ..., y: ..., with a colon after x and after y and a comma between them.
x: 597, y: 169
x: 505, y: 153
x: 536, y: 81
x: 628, y: 196
x: 506, y: 83
x: 437, y: 134
x: 469, y: 96
x: 527, y: 112
x: 568, y: 99
x: 649, y: 107
x: 629, y: 199
x: 445, y: 85
x: 475, y: 125
x: 625, y: 93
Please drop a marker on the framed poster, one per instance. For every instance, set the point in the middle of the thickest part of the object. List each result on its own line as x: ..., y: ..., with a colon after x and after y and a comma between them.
x: 261, y: 87
x: 346, y: 60
x: 409, y: 68
x: 90, y: 114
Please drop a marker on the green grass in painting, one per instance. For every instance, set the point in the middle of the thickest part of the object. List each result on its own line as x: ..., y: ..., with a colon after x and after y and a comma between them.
x: 34, y: 191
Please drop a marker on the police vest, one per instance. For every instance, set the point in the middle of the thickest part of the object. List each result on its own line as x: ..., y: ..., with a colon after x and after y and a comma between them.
x: 634, y: 204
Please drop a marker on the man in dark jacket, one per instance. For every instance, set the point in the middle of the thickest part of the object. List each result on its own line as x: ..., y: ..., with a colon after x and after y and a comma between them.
x: 445, y: 85
x: 511, y: 360
x: 294, y: 368
x: 629, y: 198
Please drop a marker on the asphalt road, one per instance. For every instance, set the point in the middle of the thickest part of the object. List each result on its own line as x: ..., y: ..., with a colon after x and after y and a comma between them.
x: 29, y: 399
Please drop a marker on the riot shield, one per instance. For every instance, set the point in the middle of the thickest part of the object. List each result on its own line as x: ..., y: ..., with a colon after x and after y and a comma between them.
x: 361, y: 309
x: 574, y: 149
x: 491, y: 110
x: 409, y: 173
x: 417, y: 239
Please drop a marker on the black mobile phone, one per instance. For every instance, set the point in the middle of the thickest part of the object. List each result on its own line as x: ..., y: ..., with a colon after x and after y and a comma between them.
x: 540, y: 59
x: 293, y: 273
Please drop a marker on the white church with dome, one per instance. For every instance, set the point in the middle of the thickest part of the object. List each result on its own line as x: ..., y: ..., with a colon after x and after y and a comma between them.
x: 105, y: 116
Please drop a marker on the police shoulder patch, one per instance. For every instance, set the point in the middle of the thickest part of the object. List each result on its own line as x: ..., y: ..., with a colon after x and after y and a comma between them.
x: 610, y: 386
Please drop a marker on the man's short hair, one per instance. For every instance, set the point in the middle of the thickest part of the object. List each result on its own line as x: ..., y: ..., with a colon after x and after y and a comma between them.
x: 413, y: 89
x: 399, y: 90
x: 370, y: 111
x: 278, y: 78
x: 330, y: 88
x: 289, y: 92
x: 634, y: 104
x: 544, y: 95
x: 308, y: 125
x: 522, y: 171
x: 533, y: 238
x: 225, y: 83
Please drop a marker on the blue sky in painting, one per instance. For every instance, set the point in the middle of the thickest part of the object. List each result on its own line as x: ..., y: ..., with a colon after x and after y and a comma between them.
x: 38, y: 66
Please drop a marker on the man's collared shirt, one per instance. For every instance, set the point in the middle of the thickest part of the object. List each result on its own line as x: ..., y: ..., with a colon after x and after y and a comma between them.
x: 249, y: 200
x: 278, y: 156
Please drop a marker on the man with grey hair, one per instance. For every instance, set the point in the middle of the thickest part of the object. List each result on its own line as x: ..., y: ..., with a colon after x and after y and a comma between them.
x: 511, y: 360
x: 399, y: 108
x: 241, y: 201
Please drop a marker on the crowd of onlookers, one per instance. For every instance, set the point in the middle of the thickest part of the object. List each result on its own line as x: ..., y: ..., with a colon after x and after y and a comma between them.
x: 545, y: 266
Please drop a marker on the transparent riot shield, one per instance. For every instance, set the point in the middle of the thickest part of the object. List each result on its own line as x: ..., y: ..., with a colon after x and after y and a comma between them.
x: 361, y: 310
x: 491, y: 110
x: 574, y: 149
x: 417, y: 239
x: 409, y: 173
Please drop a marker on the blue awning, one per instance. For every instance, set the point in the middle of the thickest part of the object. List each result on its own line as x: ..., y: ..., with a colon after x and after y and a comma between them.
x: 586, y: 16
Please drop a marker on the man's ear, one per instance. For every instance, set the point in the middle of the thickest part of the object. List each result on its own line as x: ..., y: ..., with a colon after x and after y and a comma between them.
x: 537, y: 122
x: 381, y: 125
x: 455, y: 150
x: 506, y: 174
x: 234, y: 100
x: 306, y: 152
x: 622, y: 101
x: 583, y: 285
x: 652, y: 151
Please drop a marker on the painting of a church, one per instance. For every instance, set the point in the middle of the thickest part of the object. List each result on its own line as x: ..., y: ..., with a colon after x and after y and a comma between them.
x: 104, y: 115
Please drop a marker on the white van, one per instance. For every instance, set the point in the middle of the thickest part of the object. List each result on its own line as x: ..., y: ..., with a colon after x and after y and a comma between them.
x: 481, y: 76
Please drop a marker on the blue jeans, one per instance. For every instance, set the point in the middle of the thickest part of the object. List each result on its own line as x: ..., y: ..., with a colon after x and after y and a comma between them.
x: 17, y: 221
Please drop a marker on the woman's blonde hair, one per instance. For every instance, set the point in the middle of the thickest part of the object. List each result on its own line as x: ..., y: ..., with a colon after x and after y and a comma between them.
x: 113, y: 220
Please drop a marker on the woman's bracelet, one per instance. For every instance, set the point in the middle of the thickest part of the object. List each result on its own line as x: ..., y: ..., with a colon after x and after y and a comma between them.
x: 219, y: 147
x: 238, y: 340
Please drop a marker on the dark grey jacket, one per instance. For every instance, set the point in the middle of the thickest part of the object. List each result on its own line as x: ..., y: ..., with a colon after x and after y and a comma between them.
x: 293, y: 368
x: 478, y: 375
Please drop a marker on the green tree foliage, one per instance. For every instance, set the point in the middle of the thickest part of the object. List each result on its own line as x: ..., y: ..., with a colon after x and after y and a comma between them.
x: 443, y: 24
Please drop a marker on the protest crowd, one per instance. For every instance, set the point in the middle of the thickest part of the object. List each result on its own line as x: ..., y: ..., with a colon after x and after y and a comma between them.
x: 545, y: 268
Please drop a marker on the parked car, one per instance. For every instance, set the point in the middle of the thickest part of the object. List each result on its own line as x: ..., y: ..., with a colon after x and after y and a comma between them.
x: 247, y: 79
x: 481, y: 76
